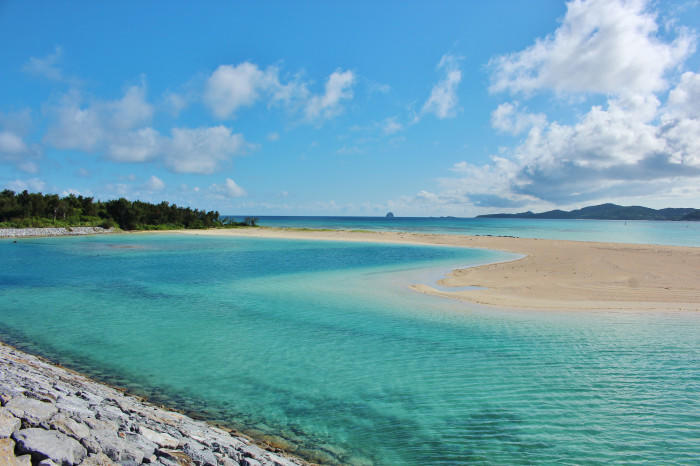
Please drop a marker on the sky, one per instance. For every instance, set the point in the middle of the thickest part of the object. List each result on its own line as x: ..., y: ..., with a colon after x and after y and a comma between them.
x: 354, y: 108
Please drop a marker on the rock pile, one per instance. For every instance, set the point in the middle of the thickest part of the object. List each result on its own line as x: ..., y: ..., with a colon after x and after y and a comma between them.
x: 52, y: 416
x: 30, y: 232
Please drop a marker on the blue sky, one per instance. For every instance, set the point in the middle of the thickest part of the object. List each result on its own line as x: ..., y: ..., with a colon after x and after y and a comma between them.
x: 354, y: 108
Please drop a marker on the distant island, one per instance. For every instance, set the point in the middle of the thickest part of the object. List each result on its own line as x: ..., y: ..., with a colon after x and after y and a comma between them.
x: 610, y: 212
x: 37, y: 210
x: 390, y: 215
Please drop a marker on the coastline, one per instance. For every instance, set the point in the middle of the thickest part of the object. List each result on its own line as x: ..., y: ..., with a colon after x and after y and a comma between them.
x: 551, y: 275
x: 50, y: 232
x: 50, y: 412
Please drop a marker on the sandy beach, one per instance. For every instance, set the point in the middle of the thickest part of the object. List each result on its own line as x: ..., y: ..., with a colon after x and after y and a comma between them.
x: 552, y: 274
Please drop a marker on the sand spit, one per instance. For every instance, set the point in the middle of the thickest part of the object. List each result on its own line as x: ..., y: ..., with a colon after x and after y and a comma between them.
x: 553, y: 274
x: 39, y: 232
x: 53, y: 416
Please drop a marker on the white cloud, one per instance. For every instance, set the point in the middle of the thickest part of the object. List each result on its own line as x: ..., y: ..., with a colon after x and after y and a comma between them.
x: 231, y: 87
x: 119, y: 130
x: 349, y: 150
x: 228, y: 189
x: 619, y: 150
x: 632, y: 146
x: 14, y: 149
x: 443, y: 98
x: 46, y: 67
x: 680, y: 121
x: 135, y: 146
x: 10, y: 143
x: 327, y: 105
x: 32, y: 185
x: 273, y: 136
x: 74, y: 126
x: 155, y: 184
x: 510, y: 119
x: 602, y: 46
x: 201, y: 150
x: 683, y: 100
x: 90, y: 127
x: 391, y: 126
x: 175, y: 103
x: 130, y: 111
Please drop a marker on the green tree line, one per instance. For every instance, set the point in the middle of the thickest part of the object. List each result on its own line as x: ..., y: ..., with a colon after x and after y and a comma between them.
x: 23, y: 210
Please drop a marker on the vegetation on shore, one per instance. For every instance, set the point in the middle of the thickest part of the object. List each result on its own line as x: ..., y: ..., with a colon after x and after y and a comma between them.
x: 37, y: 210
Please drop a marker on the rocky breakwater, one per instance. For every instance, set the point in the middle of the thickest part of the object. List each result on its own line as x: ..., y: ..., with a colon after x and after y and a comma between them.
x: 33, y: 232
x: 53, y: 416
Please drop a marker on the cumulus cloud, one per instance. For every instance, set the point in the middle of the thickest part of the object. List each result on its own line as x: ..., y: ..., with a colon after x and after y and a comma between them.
x: 231, y: 87
x: 47, y: 66
x: 31, y: 184
x: 683, y: 99
x: 201, y: 150
x: 130, y: 111
x: 175, y: 103
x: 140, y: 145
x: 14, y: 149
x: 601, y: 46
x: 509, y: 118
x: 616, y: 150
x: 120, y: 129
x: 391, y: 126
x: 633, y: 145
x: 229, y: 189
x: 155, y: 184
x: 329, y: 104
x: 443, y: 98
x: 88, y: 127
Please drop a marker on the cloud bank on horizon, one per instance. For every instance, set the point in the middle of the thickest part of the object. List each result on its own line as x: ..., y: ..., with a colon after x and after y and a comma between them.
x: 602, y: 107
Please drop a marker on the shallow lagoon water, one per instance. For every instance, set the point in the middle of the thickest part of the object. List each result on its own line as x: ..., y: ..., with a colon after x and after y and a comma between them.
x: 321, y: 345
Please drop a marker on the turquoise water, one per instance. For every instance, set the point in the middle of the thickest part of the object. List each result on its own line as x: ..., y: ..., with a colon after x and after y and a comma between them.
x: 619, y: 231
x: 322, y: 346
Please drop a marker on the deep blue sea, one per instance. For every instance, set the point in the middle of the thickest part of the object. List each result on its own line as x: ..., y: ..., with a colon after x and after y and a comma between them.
x: 323, y: 348
x: 620, y: 231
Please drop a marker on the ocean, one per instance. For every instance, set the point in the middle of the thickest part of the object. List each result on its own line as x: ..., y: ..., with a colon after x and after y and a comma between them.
x: 322, y: 347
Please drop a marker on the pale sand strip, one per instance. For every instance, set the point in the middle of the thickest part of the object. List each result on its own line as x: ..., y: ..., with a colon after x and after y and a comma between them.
x: 554, y: 274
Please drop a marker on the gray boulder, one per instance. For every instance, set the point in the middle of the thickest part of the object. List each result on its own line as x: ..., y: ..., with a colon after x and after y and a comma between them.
x: 33, y: 412
x: 69, y: 426
x: 161, y: 439
x: 174, y: 458
x: 47, y: 462
x: 99, y: 459
x: 129, y: 449
x: 74, y: 406
x: 8, y: 423
x: 51, y: 444
x: 201, y: 455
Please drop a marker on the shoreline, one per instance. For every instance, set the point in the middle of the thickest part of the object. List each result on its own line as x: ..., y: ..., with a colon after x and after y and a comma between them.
x: 550, y: 275
x: 53, y: 231
x: 52, y: 412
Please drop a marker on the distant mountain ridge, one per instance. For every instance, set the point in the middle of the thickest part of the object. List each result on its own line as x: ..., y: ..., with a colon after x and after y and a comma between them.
x: 610, y: 212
